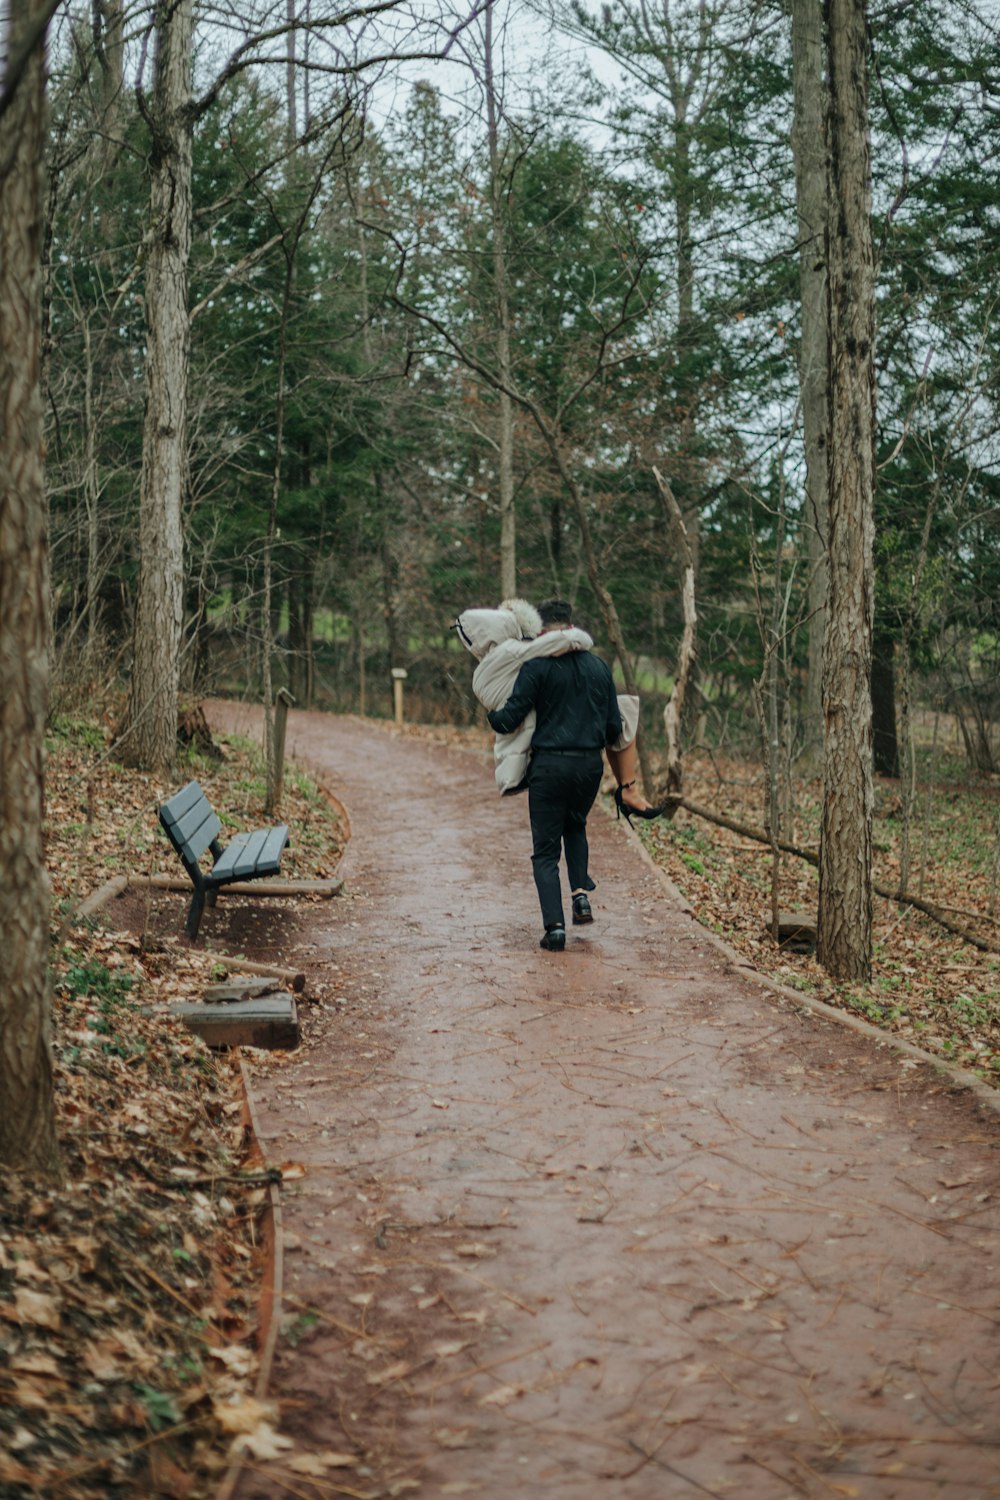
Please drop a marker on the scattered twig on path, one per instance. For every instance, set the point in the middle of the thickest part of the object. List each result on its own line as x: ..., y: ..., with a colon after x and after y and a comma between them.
x: 661, y: 1463
x: 785, y: 1478
x: 739, y: 1129
x: 490, y: 1286
x: 911, y: 1218
x: 955, y: 1306
x: 349, y: 1329
x: 506, y: 1359
x: 768, y: 1364
x: 765, y: 1291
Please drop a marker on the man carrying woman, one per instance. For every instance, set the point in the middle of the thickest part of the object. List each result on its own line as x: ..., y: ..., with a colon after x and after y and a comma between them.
x: 555, y: 710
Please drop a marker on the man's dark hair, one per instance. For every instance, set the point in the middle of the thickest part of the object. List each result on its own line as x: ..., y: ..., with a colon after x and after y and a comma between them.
x: 555, y: 612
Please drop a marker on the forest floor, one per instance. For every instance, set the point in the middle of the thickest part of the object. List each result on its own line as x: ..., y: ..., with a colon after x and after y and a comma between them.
x: 129, y: 1290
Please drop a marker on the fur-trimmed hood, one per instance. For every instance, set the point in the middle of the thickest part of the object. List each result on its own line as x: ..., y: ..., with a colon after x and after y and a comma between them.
x: 482, y: 629
x: 526, y: 615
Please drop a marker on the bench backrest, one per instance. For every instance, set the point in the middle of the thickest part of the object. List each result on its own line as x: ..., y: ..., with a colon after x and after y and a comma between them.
x: 190, y: 822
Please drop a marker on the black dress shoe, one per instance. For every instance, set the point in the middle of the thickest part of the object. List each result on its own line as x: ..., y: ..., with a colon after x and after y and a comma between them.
x: 554, y: 939
x: 581, y: 910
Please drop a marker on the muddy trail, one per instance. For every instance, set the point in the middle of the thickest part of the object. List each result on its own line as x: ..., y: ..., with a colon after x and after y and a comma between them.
x: 618, y: 1222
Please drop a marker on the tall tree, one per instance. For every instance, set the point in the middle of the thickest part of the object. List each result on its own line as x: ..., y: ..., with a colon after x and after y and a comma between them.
x: 149, y: 734
x: 505, y: 435
x: 27, y: 1121
x: 844, y: 937
x: 810, y: 203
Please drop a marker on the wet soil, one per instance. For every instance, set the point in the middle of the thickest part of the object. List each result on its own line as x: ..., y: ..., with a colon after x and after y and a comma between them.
x: 615, y: 1222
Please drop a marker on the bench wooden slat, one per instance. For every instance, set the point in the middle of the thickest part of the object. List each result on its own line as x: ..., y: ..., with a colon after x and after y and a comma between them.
x: 190, y: 821
x: 192, y: 826
x: 274, y: 848
x: 181, y: 802
x: 196, y: 830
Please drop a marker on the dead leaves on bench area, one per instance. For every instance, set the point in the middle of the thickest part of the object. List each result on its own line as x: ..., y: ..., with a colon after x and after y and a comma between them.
x: 129, y: 1290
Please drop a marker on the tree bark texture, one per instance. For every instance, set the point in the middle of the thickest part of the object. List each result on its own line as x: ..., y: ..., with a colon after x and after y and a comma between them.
x: 673, y: 713
x: 844, y: 941
x: 27, y: 1121
x: 810, y: 201
x: 150, y: 733
x: 505, y: 433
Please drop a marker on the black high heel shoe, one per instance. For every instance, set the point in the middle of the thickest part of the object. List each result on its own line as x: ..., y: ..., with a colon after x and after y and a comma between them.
x: 628, y: 813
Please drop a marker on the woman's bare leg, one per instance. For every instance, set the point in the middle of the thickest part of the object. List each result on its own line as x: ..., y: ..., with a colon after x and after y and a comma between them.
x: 625, y: 765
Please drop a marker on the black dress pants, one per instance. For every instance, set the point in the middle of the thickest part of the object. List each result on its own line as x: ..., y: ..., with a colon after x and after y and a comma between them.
x: 562, y: 786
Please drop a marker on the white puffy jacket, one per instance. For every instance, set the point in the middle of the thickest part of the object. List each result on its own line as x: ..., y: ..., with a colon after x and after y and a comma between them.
x: 503, y: 640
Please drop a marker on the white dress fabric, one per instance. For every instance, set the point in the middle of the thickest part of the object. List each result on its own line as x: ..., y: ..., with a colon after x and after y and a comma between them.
x: 503, y: 640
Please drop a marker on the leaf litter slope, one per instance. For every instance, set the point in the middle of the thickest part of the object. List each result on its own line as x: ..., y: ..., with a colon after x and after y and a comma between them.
x: 129, y: 1289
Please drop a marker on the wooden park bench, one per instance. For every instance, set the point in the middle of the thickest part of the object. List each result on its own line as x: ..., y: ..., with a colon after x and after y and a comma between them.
x: 193, y: 827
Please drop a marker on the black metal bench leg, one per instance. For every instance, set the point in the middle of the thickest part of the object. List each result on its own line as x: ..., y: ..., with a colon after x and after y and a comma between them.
x: 194, y: 914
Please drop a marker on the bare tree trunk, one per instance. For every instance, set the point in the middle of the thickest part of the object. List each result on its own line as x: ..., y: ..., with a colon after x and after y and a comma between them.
x: 844, y: 937
x: 673, y: 714
x: 391, y: 608
x: 359, y: 617
x: 291, y: 121
x: 27, y: 1121
x: 505, y: 436
x: 810, y: 199
x: 91, y: 493
x: 150, y: 731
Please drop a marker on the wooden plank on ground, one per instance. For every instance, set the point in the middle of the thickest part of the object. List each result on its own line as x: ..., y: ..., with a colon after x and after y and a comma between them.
x: 102, y: 896
x: 293, y: 977
x: 243, y: 989
x: 270, y: 1021
x: 267, y: 886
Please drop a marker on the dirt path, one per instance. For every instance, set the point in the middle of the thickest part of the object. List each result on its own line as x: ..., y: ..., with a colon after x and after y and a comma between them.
x: 616, y: 1222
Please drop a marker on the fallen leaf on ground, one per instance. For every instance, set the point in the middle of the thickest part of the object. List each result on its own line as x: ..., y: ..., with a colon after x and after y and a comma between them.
x: 242, y: 1416
x: 503, y: 1395
x: 263, y: 1443
x: 36, y: 1307
x: 453, y: 1437
x: 236, y: 1357
x: 317, y: 1464
x: 394, y: 1372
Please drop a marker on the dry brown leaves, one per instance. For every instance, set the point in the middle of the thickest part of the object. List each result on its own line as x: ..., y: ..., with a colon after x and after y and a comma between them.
x: 128, y: 1290
x: 928, y: 985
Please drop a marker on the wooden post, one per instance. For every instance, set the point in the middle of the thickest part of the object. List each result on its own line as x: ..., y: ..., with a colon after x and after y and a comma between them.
x: 282, y: 703
x: 398, y: 678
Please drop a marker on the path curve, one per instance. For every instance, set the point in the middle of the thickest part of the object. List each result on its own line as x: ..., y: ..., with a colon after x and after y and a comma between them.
x: 611, y: 1223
